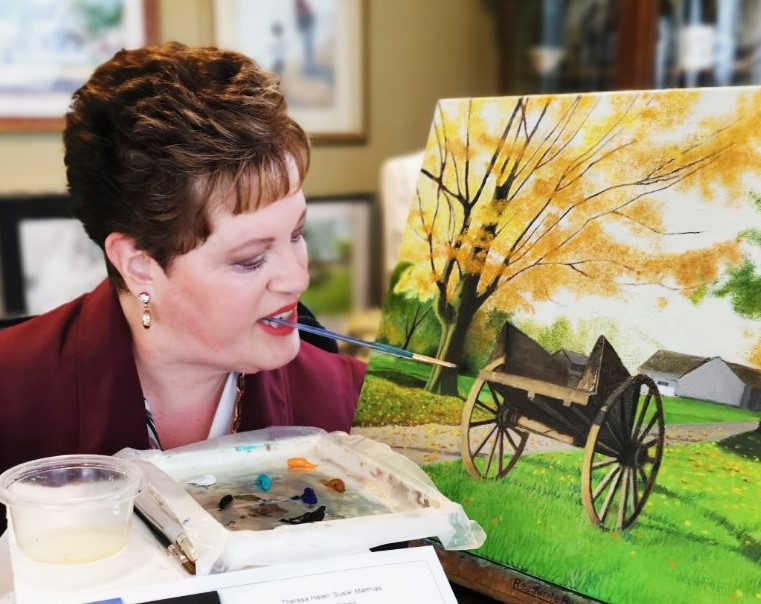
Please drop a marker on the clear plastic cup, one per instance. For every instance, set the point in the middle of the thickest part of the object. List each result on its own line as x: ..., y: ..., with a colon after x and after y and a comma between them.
x: 71, y: 509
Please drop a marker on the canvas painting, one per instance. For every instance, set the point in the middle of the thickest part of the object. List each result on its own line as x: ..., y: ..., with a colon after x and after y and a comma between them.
x: 592, y: 265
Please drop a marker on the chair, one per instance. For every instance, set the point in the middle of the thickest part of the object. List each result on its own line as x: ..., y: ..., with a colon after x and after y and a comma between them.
x: 398, y: 184
x: 13, y: 320
x: 307, y: 317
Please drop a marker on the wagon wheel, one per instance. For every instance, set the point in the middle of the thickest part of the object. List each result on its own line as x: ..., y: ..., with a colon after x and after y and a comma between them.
x: 489, y: 429
x: 622, y: 454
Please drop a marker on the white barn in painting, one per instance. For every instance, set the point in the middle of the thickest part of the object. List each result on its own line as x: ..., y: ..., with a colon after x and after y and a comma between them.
x: 704, y: 378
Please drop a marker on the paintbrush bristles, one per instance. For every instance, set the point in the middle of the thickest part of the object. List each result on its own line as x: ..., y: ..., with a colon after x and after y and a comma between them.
x: 432, y: 360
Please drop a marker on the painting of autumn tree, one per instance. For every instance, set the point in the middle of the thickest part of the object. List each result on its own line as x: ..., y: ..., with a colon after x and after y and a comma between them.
x: 556, y: 245
x: 520, y: 198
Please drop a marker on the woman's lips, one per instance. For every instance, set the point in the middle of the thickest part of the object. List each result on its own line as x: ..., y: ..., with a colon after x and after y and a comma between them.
x: 287, y: 312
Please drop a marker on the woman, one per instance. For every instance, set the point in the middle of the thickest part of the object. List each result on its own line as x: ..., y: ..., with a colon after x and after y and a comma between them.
x: 185, y: 169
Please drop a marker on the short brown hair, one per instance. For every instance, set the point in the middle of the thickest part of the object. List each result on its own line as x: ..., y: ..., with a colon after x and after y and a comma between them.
x: 157, y: 130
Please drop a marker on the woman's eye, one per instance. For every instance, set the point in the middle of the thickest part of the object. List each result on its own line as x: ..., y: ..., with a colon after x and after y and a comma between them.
x: 298, y: 235
x: 253, y: 264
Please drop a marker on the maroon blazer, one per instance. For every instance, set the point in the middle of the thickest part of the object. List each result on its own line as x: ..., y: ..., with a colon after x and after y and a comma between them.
x: 68, y: 384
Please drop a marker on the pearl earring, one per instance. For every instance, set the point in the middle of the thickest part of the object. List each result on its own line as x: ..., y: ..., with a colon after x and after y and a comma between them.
x: 145, y: 298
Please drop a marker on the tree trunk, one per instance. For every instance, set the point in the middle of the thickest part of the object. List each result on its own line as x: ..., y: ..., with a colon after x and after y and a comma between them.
x: 465, y: 303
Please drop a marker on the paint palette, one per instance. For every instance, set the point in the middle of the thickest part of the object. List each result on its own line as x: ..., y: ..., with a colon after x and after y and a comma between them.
x: 239, y: 503
x: 324, y: 494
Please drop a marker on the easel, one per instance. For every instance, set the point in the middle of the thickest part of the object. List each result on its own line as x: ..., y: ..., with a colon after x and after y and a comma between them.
x: 500, y: 582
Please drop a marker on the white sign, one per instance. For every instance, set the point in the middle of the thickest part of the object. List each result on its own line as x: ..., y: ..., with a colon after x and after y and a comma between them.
x: 402, y: 576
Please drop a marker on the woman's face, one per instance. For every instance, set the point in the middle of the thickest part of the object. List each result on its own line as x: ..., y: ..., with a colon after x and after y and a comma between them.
x: 209, y: 301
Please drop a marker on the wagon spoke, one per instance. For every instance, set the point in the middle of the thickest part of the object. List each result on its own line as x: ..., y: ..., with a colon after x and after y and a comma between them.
x: 616, y: 436
x: 603, y: 464
x: 619, y: 418
x: 484, y: 441
x: 495, y: 395
x: 483, y: 422
x: 605, y: 449
x: 623, y: 499
x: 633, y: 489
x: 605, y: 481
x: 491, y: 455
x: 647, y: 430
x: 609, y: 496
x: 482, y: 405
x: 510, y: 438
x: 641, y: 416
x: 643, y: 476
x: 501, y: 441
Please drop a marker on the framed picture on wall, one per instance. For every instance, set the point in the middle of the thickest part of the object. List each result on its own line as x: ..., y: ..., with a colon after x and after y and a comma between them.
x: 316, y: 47
x: 341, y: 257
x: 48, y: 49
x: 45, y: 255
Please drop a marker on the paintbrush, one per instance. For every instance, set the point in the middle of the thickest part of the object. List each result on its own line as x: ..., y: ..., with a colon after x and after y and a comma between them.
x: 377, y: 346
x: 165, y: 525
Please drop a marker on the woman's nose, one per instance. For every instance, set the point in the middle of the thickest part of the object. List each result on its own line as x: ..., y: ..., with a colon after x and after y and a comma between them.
x: 293, y: 273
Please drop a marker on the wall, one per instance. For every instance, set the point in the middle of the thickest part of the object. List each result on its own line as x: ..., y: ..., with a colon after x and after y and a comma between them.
x: 418, y: 51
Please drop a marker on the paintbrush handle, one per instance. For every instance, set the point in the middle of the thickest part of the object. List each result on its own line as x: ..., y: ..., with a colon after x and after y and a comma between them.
x: 321, y: 331
x: 378, y: 346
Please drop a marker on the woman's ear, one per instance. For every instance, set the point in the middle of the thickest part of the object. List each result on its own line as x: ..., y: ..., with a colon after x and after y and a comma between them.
x: 134, y: 265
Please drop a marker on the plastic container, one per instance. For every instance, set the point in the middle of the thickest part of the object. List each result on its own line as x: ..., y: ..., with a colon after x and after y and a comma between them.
x: 71, y: 509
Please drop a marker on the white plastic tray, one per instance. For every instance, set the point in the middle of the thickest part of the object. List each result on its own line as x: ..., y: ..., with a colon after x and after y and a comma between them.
x: 387, y: 499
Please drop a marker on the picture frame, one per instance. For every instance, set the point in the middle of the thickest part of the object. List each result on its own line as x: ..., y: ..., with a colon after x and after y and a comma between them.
x: 48, y: 49
x: 316, y: 47
x: 342, y: 248
x: 46, y: 258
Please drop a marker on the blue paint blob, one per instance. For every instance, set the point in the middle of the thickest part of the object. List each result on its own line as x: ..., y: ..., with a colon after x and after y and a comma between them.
x: 309, y: 497
x: 263, y: 482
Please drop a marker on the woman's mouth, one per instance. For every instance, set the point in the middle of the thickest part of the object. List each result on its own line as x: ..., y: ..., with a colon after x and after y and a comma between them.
x: 269, y: 324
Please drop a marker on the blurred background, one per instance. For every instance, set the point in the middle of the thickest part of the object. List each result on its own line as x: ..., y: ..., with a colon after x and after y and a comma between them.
x: 363, y: 76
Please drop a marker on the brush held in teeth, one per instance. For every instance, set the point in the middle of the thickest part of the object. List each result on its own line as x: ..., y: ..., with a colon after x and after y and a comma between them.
x: 378, y: 346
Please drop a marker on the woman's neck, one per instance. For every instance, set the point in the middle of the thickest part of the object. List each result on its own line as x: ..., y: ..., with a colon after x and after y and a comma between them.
x: 183, y: 397
x: 182, y: 403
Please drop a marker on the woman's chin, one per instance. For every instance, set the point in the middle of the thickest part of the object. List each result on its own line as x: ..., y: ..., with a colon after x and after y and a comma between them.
x: 274, y: 357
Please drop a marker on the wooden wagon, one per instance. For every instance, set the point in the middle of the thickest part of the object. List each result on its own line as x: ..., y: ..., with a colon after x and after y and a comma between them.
x: 616, y: 417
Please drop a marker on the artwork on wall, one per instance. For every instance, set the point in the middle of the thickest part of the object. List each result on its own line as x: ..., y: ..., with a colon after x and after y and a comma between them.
x: 45, y: 255
x: 591, y: 263
x: 341, y: 258
x: 316, y: 48
x: 48, y: 49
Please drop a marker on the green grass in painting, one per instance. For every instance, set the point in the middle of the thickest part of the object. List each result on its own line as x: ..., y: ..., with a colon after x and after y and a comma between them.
x: 687, y: 411
x: 697, y: 541
x: 331, y: 294
x: 385, y: 402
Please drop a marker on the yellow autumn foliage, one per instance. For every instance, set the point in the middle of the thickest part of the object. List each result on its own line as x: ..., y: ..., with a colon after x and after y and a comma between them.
x: 533, y: 195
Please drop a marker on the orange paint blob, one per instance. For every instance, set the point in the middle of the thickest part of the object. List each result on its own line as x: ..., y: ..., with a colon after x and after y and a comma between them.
x: 334, y: 483
x: 301, y: 463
